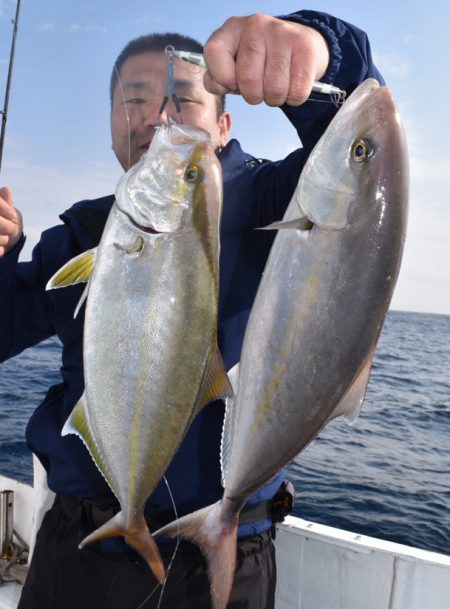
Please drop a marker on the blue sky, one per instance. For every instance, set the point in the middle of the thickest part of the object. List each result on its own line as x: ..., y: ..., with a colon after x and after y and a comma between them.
x: 58, y: 141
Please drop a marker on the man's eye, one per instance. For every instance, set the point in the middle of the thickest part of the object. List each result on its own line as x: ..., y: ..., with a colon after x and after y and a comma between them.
x: 135, y: 100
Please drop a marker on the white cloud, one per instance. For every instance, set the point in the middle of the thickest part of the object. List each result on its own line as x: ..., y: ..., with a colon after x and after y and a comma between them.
x: 393, y: 63
x: 42, y: 193
x: 152, y: 19
x: 7, y: 8
x: 431, y: 171
x: 45, y: 27
x: 73, y: 28
x: 424, y: 283
x: 95, y: 28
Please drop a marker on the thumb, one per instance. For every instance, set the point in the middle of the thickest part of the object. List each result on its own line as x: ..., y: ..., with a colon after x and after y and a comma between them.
x: 7, y: 195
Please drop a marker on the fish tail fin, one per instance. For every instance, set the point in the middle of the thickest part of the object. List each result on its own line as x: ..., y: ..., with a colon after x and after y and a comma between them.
x: 137, y: 536
x: 218, y: 542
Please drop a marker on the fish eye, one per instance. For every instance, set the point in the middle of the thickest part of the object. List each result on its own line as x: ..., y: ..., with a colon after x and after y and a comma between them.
x: 193, y: 173
x: 361, y: 150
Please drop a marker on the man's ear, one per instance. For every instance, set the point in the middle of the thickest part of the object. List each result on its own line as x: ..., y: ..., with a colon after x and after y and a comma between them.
x: 224, y: 128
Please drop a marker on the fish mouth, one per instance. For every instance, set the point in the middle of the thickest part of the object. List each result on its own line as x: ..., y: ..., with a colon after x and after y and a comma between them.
x: 145, y: 229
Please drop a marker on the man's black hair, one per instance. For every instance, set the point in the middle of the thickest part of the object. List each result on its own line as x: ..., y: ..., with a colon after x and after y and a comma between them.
x: 157, y: 43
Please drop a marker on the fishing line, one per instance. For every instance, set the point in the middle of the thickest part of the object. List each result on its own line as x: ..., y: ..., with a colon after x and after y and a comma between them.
x: 122, y: 92
x: 335, y: 99
x: 172, y: 558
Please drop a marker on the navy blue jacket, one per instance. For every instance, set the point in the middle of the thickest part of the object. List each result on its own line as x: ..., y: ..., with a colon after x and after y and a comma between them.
x: 255, y: 194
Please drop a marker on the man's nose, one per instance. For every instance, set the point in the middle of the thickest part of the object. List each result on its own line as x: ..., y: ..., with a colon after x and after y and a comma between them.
x: 159, y: 114
x: 151, y: 115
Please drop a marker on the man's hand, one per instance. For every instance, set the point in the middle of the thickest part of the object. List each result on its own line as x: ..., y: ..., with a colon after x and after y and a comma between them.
x: 11, y: 225
x: 265, y: 59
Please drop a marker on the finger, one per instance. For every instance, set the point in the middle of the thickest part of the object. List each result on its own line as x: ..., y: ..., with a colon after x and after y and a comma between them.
x: 277, y: 75
x: 215, y: 88
x: 290, y: 67
x: 220, y: 51
x: 8, y: 227
x: 302, y: 76
x: 7, y: 210
x: 251, y: 63
x: 6, y: 195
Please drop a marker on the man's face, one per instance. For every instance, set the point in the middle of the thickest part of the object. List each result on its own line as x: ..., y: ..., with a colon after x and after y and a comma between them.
x: 138, y: 97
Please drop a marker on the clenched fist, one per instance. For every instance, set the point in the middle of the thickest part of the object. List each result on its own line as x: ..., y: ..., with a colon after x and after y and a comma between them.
x: 265, y: 59
x: 11, y: 225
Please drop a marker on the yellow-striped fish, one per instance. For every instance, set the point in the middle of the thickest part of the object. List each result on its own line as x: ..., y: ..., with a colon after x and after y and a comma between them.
x: 319, y: 310
x: 150, y: 350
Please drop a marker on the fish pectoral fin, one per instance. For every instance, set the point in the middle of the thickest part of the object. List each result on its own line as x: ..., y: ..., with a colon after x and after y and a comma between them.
x: 350, y: 405
x: 78, y: 424
x: 77, y: 270
x: 81, y: 301
x: 215, y: 384
x: 299, y: 223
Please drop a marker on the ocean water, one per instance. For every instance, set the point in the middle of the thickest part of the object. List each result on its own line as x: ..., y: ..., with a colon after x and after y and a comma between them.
x: 387, y: 475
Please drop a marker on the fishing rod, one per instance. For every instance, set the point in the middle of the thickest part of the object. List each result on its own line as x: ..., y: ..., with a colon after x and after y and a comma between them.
x: 4, y: 112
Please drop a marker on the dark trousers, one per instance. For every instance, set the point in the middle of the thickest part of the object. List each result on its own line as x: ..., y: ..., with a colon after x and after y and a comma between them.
x: 63, y: 577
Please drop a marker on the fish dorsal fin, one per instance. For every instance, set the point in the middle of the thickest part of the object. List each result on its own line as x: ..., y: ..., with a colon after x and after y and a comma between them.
x: 226, y: 443
x: 78, y: 424
x: 350, y: 404
x: 215, y: 383
x: 299, y: 224
x: 77, y: 270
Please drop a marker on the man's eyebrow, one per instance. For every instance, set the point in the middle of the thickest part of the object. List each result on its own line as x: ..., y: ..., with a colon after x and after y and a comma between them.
x: 184, y: 85
x: 135, y: 86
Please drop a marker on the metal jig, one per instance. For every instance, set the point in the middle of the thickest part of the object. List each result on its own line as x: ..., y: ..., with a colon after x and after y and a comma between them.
x: 170, y: 84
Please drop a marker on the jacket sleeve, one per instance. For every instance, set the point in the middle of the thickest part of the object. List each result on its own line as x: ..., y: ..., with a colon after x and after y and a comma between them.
x: 350, y: 64
x: 25, y: 310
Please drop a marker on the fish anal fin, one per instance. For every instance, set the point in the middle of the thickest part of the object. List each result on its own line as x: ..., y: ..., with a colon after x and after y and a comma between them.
x: 233, y: 375
x: 76, y: 270
x: 350, y: 404
x: 229, y: 421
x: 299, y: 224
x: 78, y: 424
x: 137, y: 536
x: 215, y: 383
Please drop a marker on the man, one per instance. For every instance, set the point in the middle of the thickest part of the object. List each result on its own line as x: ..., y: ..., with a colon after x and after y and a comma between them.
x: 262, y: 58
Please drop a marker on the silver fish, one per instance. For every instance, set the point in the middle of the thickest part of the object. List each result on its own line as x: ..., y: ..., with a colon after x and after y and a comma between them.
x: 150, y: 352
x: 318, y: 313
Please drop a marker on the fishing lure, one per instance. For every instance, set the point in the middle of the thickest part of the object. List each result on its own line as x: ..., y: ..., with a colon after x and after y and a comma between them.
x: 337, y: 95
x: 170, y: 84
